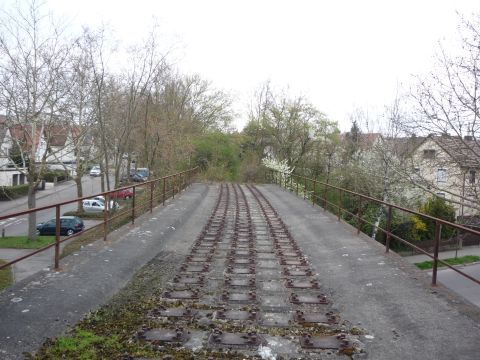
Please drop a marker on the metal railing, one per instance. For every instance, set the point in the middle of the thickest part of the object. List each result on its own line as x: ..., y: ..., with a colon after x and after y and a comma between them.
x: 319, y: 192
x: 156, y: 191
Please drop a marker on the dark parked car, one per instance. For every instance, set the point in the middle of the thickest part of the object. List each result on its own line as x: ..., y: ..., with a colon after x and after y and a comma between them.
x: 68, y: 226
x: 138, y: 178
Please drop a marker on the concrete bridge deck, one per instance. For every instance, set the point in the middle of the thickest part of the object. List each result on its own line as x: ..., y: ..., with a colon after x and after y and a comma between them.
x: 402, y: 316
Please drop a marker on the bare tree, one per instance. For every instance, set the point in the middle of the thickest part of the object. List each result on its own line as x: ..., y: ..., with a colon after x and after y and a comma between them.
x: 447, y: 104
x: 32, y: 60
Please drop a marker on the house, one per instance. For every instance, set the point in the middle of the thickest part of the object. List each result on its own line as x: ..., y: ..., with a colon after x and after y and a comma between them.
x: 9, y: 174
x: 452, y: 164
x: 448, y: 166
x: 55, y: 145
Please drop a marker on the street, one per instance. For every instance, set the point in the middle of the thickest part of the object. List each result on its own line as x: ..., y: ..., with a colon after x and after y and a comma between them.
x: 62, y: 192
x: 461, y: 285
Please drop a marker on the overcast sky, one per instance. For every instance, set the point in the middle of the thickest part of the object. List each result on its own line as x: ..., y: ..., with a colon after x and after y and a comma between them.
x: 339, y: 54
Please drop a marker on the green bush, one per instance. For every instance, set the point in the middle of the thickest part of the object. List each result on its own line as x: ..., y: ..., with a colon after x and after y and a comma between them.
x: 13, y: 192
x: 50, y: 176
x: 217, y: 154
x: 424, y: 229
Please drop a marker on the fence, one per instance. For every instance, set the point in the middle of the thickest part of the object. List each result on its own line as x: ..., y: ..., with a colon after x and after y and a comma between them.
x: 335, y: 198
x: 145, y: 196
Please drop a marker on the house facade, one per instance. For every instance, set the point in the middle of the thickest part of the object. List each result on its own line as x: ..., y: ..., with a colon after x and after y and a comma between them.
x: 53, y: 146
x: 9, y: 174
x: 449, y: 167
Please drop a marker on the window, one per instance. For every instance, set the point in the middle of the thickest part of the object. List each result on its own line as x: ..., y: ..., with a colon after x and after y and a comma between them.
x: 441, y: 175
x: 471, y: 176
x: 441, y: 195
x: 429, y: 154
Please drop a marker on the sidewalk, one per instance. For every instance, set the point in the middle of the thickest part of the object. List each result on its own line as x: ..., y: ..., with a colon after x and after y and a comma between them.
x: 468, y: 250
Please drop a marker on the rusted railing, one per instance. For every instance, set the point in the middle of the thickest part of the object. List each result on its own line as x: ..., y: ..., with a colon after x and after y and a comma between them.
x: 317, y: 186
x: 158, y: 190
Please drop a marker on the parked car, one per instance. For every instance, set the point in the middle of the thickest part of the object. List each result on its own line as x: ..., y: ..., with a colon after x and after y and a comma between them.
x: 95, y: 171
x: 143, y: 172
x: 69, y: 225
x: 122, y: 194
x: 138, y: 178
x: 98, y: 205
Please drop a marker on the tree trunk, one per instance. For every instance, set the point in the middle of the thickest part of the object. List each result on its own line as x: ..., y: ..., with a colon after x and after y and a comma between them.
x: 32, y: 217
x: 78, y: 183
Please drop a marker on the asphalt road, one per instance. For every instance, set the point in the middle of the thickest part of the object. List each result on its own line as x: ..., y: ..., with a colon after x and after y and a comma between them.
x: 62, y: 192
x: 461, y: 285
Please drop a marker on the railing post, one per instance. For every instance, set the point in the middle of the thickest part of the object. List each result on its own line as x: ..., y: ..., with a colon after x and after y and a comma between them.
x: 304, y: 187
x: 389, y: 229
x: 57, y: 237
x: 133, y: 203
x: 151, y: 197
x: 173, y: 187
x: 325, y: 202
x: 340, y: 203
x: 105, y: 218
x: 297, y: 185
x: 313, y: 192
x: 163, y: 200
x: 438, y: 235
x: 359, y: 214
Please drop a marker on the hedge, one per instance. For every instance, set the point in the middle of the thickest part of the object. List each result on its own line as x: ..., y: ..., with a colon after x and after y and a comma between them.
x: 51, y: 175
x: 13, y: 192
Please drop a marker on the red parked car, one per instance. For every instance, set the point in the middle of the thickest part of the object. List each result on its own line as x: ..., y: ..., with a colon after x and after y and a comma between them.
x: 122, y: 194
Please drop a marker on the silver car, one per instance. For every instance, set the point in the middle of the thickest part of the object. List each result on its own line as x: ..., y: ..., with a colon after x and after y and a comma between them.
x: 98, y: 205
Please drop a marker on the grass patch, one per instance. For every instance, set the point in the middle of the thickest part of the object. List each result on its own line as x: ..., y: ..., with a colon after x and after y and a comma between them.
x: 6, y: 278
x: 425, y: 265
x: 83, y: 345
x: 22, y: 242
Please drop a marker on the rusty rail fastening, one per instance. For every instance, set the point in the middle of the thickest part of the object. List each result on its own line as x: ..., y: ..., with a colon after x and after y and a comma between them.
x: 160, y: 197
x: 276, y: 177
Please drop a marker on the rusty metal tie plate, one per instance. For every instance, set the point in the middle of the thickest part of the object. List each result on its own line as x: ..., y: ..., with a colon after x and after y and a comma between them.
x: 237, y: 314
x: 241, y: 270
x: 162, y: 336
x: 182, y: 294
x: 297, y: 272
x: 295, y: 262
x: 241, y: 261
x: 242, y: 340
x: 308, y: 299
x: 298, y: 284
x: 302, y: 318
x: 242, y: 253
x: 174, y: 312
x: 191, y: 280
x: 241, y: 282
x: 244, y: 297
x: 335, y: 342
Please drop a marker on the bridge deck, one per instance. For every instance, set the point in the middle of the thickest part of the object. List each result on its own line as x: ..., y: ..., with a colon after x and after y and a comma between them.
x: 383, y: 303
